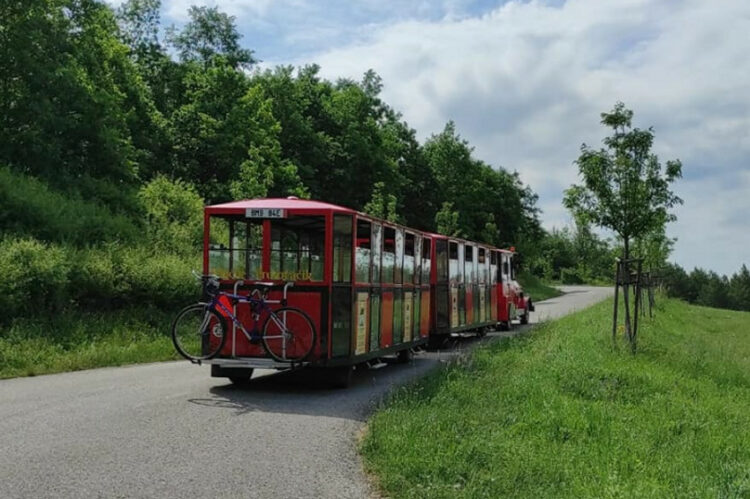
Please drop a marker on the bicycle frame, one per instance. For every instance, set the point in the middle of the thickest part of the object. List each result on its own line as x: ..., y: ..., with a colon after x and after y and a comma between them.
x: 258, y: 306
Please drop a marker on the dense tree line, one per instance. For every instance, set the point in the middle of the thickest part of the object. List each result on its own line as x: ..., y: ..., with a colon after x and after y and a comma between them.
x: 708, y: 288
x: 115, y: 131
x: 99, y: 102
x: 573, y: 255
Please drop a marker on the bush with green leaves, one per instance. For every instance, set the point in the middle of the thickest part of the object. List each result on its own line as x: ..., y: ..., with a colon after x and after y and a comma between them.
x: 112, y: 277
x: 33, y: 276
x: 174, y: 214
x: 28, y: 207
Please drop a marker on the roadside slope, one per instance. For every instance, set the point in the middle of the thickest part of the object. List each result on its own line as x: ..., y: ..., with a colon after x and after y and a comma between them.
x: 560, y: 413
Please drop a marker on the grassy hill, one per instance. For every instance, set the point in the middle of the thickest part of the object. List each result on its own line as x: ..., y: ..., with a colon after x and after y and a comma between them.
x: 561, y: 413
x: 535, y: 288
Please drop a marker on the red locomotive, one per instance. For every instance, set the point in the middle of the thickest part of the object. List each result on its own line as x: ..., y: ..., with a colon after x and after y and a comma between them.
x: 370, y: 287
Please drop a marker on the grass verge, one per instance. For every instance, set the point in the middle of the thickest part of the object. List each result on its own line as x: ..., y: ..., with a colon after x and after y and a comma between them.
x: 561, y: 413
x: 534, y: 287
x: 72, y: 341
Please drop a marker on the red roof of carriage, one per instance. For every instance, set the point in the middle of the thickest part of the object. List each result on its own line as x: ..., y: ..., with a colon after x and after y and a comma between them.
x: 283, y: 203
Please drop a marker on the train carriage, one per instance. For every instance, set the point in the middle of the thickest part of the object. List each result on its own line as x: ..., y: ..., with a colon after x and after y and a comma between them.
x: 371, y: 288
x: 512, y: 302
x: 465, y: 298
x: 363, y: 282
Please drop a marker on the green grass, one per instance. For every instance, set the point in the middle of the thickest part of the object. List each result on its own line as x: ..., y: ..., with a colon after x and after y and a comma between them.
x: 535, y: 288
x: 561, y: 413
x: 73, y: 340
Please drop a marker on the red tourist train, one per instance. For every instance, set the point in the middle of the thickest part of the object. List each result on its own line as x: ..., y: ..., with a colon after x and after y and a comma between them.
x: 372, y: 288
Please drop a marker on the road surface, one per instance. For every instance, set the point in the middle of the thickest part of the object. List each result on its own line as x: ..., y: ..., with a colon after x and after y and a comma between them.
x: 169, y: 430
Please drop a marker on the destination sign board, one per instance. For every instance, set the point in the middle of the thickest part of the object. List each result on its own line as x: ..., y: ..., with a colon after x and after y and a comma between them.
x: 265, y: 213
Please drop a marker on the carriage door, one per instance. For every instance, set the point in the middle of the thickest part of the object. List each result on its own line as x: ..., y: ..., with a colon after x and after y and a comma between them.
x: 461, y: 285
x: 468, y: 263
x: 376, y: 296
x: 341, y: 298
x: 443, y: 287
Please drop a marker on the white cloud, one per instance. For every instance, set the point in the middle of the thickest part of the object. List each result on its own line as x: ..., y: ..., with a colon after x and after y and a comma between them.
x: 526, y: 82
x: 177, y: 10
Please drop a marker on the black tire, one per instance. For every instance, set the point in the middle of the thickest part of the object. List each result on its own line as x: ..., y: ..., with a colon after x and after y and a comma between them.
x: 240, y: 380
x: 525, y: 317
x: 340, y: 377
x: 404, y: 356
x: 509, y: 322
x: 296, y: 343
x: 199, y: 333
x: 436, y: 342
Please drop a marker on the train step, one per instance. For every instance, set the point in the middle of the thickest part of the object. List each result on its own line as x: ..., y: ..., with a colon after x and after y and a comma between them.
x: 377, y: 364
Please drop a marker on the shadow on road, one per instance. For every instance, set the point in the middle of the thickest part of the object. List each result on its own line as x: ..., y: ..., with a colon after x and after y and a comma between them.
x: 308, y: 392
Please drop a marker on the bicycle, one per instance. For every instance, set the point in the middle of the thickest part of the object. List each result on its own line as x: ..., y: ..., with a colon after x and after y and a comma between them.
x: 199, y: 332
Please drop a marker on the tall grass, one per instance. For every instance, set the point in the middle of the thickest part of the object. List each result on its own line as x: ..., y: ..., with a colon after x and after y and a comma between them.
x: 28, y: 207
x: 535, y: 288
x: 560, y: 413
x: 72, y: 341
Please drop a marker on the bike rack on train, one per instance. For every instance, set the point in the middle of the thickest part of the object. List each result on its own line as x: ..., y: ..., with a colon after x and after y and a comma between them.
x: 237, y: 285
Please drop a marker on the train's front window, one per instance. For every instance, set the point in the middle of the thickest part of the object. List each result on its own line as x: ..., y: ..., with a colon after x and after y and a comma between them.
x: 297, y: 248
x: 235, y: 248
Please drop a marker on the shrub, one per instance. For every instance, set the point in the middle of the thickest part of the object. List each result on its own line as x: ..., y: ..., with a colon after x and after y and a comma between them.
x: 174, y: 214
x: 33, y: 276
x: 163, y: 280
x: 572, y: 276
x: 112, y: 276
x: 28, y: 207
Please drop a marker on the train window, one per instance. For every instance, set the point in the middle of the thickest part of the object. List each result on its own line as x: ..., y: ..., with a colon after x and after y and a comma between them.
x: 389, y: 254
x: 482, y: 267
x: 500, y: 267
x: 426, y: 260
x: 235, y: 248
x: 377, y: 245
x: 469, y: 264
x: 363, y: 251
x: 512, y: 266
x: 506, y: 269
x: 342, y: 248
x: 297, y: 246
x: 475, y: 265
x: 487, y: 271
x: 409, y: 260
x: 453, y: 262
x: 461, y: 250
x: 493, y: 267
x: 398, y: 267
x: 417, y: 259
x: 441, y: 254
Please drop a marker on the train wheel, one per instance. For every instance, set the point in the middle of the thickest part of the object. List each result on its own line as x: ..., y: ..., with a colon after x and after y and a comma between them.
x: 525, y: 317
x: 340, y: 377
x: 240, y: 380
x: 405, y: 356
x: 436, y: 342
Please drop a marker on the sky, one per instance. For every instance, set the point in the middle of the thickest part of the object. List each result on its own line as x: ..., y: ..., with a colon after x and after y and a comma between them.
x: 525, y: 82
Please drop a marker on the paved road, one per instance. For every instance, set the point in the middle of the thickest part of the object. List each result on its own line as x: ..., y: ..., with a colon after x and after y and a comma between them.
x: 169, y: 430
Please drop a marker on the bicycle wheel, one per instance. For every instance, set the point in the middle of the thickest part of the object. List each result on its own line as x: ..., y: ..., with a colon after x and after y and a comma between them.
x: 198, y: 333
x: 288, y: 335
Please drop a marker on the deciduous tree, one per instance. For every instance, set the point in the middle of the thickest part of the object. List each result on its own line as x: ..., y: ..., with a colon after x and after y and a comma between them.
x: 624, y: 187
